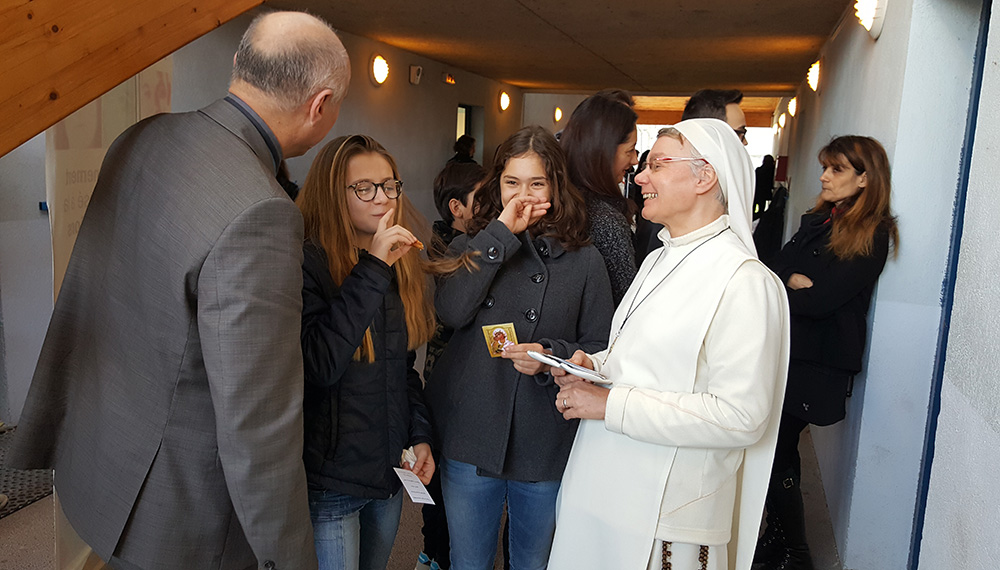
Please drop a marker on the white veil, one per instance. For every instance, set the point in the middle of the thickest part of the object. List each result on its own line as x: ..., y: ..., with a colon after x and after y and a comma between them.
x: 718, y: 143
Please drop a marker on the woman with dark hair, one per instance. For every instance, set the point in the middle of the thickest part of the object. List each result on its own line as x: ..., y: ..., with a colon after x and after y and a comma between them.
x: 465, y: 149
x: 599, y: 141
x: 501, y: 438
x: 365, y: 310
x: 830, y: 268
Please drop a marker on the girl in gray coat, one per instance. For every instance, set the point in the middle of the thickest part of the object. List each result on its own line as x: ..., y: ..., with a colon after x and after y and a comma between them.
x: 502, y: 439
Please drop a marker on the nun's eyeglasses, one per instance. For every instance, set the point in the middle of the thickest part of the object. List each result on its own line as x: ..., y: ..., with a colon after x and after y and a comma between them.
x: 650, y: 163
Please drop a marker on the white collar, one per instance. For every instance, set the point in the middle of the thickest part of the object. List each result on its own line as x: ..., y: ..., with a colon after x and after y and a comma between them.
x: 720, y: 223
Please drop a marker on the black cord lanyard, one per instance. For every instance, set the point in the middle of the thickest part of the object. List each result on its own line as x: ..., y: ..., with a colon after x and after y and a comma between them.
x: 633, y: 306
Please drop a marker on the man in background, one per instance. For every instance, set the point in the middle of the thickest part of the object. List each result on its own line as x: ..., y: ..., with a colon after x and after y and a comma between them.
x: 168, y: 393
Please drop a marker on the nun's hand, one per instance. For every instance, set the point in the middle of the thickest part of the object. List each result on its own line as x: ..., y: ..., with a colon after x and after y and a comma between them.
x: 582, y: 400
x: 563, y: 378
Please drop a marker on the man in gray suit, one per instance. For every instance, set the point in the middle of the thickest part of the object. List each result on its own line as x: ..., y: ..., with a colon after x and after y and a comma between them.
x: 168, y: 394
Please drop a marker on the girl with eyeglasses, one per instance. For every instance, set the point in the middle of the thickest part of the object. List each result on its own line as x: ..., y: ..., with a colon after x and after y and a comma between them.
x: 365, y: 310
x: 502, y: 439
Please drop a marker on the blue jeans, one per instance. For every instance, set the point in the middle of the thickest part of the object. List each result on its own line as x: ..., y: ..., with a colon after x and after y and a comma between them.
x: 353, y: 533
x: 475, y: 505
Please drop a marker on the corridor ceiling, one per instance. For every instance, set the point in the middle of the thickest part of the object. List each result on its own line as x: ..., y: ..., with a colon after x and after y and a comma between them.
x: 670, y: 47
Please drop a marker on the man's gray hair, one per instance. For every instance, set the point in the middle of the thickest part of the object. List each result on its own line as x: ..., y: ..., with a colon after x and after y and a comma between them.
x: 292, y: 70
x: 695, y: 165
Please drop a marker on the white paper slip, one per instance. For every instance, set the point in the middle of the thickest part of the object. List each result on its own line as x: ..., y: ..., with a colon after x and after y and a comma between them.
x: 414, y: 488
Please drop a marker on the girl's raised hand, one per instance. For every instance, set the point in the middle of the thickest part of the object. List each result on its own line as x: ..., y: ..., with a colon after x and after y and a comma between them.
x: 390, y: 243
x: 523, y: 211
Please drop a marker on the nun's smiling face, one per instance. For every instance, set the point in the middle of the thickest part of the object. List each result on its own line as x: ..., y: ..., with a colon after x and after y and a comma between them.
x: 669, y: 186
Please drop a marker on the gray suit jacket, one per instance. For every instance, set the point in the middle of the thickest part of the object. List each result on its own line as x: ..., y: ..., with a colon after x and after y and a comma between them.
x: 168, y: 393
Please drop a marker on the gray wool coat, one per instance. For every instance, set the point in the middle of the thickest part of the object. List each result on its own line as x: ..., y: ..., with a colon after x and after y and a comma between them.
x: 485, y: 412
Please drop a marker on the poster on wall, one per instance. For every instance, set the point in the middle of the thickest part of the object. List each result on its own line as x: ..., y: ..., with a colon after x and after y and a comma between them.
x: 74, y: 150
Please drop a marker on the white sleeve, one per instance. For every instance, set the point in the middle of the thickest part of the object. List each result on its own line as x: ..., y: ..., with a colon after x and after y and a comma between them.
x: 737, y: 371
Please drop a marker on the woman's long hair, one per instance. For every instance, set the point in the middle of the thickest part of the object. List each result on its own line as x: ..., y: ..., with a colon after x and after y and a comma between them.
x: 566, y: 219
x: 855, y: 222
x: 323, y: 202
x: 591, y: 138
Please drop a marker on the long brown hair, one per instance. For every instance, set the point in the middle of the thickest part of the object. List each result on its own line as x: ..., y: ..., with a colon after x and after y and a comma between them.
x: 323, y: 202
x: 566, y: 219
x: 853, y: 231
x: 590, y: 140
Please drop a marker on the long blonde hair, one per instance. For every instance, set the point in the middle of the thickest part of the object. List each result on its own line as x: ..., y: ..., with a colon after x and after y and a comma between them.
x: 323, y: 202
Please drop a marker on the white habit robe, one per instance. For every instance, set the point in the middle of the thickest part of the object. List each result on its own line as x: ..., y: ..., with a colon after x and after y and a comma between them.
x: 698, y: 357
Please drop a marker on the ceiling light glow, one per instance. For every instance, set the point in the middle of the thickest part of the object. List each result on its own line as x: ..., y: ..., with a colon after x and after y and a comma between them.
x: 380, y: 69
x: 558, y: 114
x: 793, y: 106
x: 781, y: 120
x: 813, y: 77
x: 504, y: 100
x: 871, y: 14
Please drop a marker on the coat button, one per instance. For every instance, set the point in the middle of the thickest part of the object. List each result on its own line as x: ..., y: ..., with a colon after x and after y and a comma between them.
x: 543, y: 250
x: 538, y: 278
x: 531, y: 315
x: 269, y: 564
x: 488, y: 301
x: 793, y: 240
x: 815, y: 253
x: 492, y: 252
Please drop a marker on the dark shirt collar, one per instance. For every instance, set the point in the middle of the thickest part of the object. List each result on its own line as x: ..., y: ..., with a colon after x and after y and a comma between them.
x: 264, y: 130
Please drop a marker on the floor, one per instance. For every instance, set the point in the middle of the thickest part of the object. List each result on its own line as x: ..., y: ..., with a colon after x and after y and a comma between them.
x: 27, y: 541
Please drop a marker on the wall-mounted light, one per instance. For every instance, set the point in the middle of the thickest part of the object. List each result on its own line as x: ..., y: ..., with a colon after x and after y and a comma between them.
x: 558, y: 114
x: 504, y: 100
x: 781, y: 120
x: 813, y: 77
x: 793, y: 105
x: 448, y: 78
x: 380, y: 69
x: 871, y: 14
x: 775, y: 129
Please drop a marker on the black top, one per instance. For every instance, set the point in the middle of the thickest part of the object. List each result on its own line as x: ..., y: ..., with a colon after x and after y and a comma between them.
x: 830, y: 319
x: 611, y: 234
x: 486, y: 412
x: 359, y: 416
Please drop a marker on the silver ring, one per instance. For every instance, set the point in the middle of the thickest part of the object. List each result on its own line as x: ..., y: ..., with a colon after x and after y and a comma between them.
x: 565, y: 405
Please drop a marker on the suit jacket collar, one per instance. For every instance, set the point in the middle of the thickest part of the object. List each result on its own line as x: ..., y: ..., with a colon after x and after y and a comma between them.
x: 235, y: 121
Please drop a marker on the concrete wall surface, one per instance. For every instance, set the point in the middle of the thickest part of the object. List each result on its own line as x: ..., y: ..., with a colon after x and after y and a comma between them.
x: 25, y: 272
x: 539, y: 109
x: 962, y: 524
x: 910, y: 89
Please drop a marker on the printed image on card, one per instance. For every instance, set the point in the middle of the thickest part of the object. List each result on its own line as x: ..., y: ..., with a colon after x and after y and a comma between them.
x: 499, y: 337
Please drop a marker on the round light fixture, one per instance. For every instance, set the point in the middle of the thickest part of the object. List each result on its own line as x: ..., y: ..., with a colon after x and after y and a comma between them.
x: 380, y: 69
x: 558, y: 114
x: 793, y: 105
x: 781, y: 121
x: 871, y: 15
x: 813, y: 77
x: 504, y: 100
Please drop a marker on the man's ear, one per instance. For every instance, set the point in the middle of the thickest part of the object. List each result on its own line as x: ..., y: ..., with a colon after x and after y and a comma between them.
x: 318, y: 105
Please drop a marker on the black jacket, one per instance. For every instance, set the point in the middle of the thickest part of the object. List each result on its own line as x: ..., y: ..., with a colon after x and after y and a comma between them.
x: 486, y: 412
x: 829, y: 319
x: 359, y: 416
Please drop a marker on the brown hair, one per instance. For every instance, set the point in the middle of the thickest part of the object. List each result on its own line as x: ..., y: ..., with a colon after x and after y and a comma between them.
x: 566, y: 219
x: 853, y: 231
x: 323, y: 202
x: 590, y: 140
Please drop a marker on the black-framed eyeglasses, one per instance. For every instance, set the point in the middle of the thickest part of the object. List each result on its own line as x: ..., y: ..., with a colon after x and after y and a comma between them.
x: 366, y: 191
x: 742, y: 133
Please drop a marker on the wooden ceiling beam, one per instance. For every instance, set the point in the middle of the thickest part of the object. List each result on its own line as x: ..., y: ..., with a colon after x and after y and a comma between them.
x: 57, y: 55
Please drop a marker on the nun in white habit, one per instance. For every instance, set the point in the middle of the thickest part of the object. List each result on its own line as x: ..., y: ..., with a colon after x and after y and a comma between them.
x: 670, y: 464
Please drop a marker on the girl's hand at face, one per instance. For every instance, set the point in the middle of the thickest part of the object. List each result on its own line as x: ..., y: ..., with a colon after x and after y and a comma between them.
x: 391, y: 243
x: 518, y: 355
x: 424, y: 467
x: 523, y: 211
x: 799, y: 281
